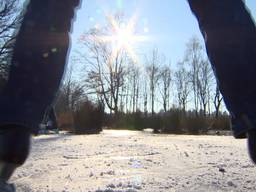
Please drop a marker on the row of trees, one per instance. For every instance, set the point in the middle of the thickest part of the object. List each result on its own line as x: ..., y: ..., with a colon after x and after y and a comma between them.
x: 123, y: 86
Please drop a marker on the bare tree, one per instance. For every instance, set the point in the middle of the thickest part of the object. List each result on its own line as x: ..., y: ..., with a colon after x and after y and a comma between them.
x: 70, y: 95
x: 193, y: 57
x: 122, y: 99
x: 153, y: 73
x: 204, y: 81
x: 145, y: 98
x: 217, y: 101
x: 183, y: 86
x: 105, y: 67
x: 165, y: 80
x: 134, y: 81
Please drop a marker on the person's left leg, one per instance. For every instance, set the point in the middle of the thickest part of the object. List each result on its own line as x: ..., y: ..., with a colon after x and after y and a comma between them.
x: 36, y: 71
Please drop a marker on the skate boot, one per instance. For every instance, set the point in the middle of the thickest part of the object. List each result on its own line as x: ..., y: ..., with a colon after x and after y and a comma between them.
x: 252, y: 144
x: 5, y: 187
x: 14, y: 149
x: 251, y: 137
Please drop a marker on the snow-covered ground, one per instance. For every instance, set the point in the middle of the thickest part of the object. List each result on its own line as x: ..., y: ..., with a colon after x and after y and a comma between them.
x: 129, y: 161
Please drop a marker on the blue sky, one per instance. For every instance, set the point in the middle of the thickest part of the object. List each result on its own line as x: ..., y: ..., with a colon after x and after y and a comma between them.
x: 170, y: 24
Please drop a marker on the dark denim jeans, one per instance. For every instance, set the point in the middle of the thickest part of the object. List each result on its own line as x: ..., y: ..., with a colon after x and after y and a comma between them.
x: 230, y: 38
x: 38, y: 62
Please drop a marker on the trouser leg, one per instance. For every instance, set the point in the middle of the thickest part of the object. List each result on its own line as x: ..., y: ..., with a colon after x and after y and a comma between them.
x: 230, y: 38
x: 38, y: 64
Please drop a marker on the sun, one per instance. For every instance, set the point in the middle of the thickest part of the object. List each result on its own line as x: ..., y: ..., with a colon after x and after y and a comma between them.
x: 123, y: 37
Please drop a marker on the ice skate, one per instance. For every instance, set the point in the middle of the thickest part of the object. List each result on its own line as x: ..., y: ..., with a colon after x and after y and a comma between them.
x: 5, y: 187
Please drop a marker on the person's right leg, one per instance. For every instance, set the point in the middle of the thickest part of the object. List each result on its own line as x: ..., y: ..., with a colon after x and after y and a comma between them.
x: 36, y: 71
x: 230, y: 37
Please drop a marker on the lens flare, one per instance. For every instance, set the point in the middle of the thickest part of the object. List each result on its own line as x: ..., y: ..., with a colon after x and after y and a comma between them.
x: 122, y: 37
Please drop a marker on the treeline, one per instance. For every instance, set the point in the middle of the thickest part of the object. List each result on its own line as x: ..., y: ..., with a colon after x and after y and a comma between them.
x: 90, y: 118
x: 180, y: 98
x: 122, y: 84
x: 174, y: 121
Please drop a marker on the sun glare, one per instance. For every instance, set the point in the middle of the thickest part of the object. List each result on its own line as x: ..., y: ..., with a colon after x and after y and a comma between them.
x: 123, y: 37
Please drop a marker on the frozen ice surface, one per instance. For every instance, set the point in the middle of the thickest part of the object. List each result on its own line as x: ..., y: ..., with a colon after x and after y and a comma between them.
x: 130, y: 161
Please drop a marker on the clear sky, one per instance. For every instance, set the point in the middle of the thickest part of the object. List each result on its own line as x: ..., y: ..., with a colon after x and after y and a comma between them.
x: 168, y: 23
